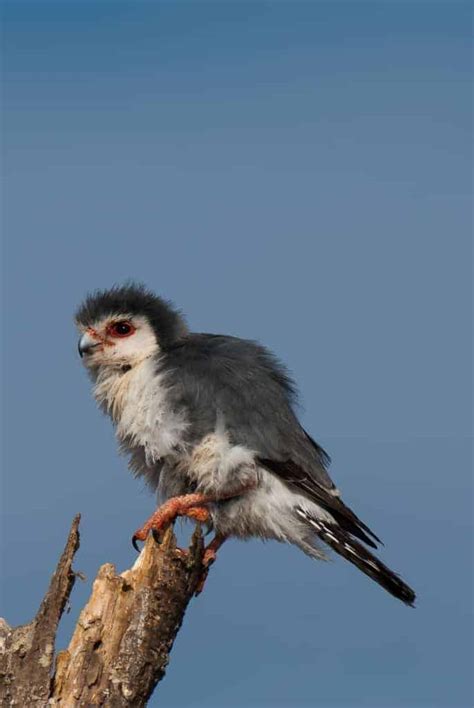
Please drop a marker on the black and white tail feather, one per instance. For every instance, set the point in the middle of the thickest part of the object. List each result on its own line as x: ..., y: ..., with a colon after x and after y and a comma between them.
x: 350, y: 549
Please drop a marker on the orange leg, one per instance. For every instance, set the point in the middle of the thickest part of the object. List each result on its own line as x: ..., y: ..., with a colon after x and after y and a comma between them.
x: 188, y: 505
x: 191, y: 505
x: 199, y: 513
x: 210, y: 555
x: 210, y: 552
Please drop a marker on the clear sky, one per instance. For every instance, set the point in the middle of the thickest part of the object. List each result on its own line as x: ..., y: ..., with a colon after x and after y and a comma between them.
x: 298, y: 173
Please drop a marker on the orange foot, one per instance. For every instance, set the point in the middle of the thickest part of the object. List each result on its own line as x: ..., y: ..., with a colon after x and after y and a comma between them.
x: 188, y: 505
x: 209, y: 557
x: 192, y: 505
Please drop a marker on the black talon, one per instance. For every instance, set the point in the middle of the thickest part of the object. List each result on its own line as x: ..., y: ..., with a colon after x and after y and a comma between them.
x: 156, y: 536
x: 135, y: 544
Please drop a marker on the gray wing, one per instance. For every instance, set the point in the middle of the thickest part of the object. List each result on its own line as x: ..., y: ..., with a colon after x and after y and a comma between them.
x: 244, y: 382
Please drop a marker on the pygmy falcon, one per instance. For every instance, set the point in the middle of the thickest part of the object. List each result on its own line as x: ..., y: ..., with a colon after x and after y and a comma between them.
x: 209, y: 421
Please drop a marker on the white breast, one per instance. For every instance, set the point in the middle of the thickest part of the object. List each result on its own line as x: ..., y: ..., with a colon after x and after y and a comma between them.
x: 138, y: 403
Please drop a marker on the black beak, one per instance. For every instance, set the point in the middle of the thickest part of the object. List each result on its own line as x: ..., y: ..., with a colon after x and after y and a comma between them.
x: 86, y: 344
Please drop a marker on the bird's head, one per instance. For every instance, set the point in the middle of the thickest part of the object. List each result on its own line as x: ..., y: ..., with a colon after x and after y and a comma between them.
x: 123, y: 326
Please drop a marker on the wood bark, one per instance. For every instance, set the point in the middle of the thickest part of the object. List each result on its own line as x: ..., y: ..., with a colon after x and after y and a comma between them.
x: 122, y: 640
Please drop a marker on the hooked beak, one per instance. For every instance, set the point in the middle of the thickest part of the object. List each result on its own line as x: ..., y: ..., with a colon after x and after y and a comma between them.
x: 86, y: 344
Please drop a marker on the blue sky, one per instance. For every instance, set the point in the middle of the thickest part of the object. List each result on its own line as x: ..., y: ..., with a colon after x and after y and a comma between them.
x: 297, y: 173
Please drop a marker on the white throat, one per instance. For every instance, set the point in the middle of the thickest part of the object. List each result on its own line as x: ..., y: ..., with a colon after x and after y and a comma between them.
x: 112, y: 383
x: 139, y: 404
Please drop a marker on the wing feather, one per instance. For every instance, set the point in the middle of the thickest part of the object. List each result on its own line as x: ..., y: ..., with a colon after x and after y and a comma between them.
x: 241, y: 381
x: 294, y: 475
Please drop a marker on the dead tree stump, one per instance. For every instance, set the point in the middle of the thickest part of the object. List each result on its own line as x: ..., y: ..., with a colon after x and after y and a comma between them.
x: 122, y: 640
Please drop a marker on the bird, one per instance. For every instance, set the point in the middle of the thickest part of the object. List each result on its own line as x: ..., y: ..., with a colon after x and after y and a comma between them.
x: 209, y: 422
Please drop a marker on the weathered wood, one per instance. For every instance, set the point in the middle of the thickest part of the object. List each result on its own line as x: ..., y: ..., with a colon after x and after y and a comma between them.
x: 120, y: 647
x: 27, y: 652
x: 122, y: 640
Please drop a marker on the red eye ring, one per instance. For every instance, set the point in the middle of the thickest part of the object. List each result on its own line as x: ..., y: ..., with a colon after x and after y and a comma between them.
x: 120, y: 329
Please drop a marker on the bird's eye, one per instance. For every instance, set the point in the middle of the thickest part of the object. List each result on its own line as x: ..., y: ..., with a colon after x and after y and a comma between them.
x: 121, y: 329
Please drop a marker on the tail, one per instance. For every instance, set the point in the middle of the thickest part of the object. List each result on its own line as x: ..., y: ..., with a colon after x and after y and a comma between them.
x: 343, y: 543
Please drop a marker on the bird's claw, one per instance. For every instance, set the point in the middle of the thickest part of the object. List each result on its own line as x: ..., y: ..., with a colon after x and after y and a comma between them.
x: 209, y: 558
x: 136, y: 538
x: 140, y: 536
x: 157, y: 537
